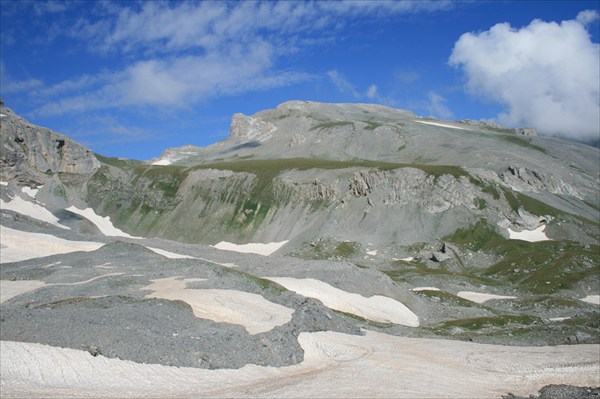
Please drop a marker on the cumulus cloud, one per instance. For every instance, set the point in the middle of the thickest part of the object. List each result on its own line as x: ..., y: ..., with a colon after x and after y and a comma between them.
x: 546, y: 74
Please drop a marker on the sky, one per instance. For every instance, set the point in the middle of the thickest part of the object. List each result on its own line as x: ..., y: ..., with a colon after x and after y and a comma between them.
x: 131, y: 78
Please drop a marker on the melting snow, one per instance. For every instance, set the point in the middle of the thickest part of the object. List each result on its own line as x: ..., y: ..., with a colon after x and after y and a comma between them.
x: 103, y: 223
x: 595, y: 299
x: 252, y: 311
x: 162, y: 162
x: 20, y: 245
x: 373, y: 365
x: 529, y: 235
x: 32, y: 192
x: 442, y: 125
x: 32, y: 210
x: 417, y: 289
x: 377, y: 308
x: 170, y: 255
x: 479, y: 297
x: 251, y: 248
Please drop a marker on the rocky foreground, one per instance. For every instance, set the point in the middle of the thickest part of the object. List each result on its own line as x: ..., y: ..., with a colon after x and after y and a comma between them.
x: 289, y: 256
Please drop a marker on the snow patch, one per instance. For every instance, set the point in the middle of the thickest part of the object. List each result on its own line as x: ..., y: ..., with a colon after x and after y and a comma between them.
x: 417, y: 289
x: 35, y: 211
x: 3, y: 183
x: 377, y: 308
x: 103, y: 223
x: 162, y: 162
x: 479, y: 297
x: 32, y: 192
x: 20, y: 245
x: 372, y: 253
x: 373, y: 365
x: 442, y: 125
x: 170, y: 255
x: 10, y: 289
x: 529, y: 235
x: 595, y: 299
x: 252, y: 311
x: 251, y: 248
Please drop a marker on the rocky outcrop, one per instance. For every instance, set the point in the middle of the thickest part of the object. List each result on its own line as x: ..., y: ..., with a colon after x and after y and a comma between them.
x: 249, y: 128
x: 525, y: 179
x: 29, y: 150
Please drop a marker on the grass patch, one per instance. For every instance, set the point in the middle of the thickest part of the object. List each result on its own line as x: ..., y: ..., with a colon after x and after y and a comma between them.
x: 331, y: 125
x: 477, y: 237
x: 446, y: 297
x: 372, y: 125
x: 522, y: 142
x: 544, y: 267
x: 479, y: 323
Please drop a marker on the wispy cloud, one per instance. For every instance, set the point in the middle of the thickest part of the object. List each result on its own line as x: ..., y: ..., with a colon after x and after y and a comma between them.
x: 436, y: 105
x: 176, y: 54
x: 545, y: 74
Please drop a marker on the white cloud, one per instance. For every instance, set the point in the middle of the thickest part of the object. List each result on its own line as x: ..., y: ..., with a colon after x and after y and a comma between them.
x: 546, y: 74
x: 437, y: 107
x: 178, y: 53
x: 343, y: 85
x: 372, y: 92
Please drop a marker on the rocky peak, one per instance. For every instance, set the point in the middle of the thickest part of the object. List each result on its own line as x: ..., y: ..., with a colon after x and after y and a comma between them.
x: 28, y: 149
x: 251, y: 128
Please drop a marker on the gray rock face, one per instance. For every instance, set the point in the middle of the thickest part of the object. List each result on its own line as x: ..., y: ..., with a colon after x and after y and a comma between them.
x: 30, y: 149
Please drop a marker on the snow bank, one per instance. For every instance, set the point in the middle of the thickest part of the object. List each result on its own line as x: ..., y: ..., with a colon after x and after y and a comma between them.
x: 10, y: 289
x: 417, y: 289
x: 335, y: 365
x: 251, y: 248
x: 170, y: 255
x: 479, y: 297
x: 20, y: 245
x: 103, y: 223
x: 441, y: 125
x: 529, y: 235
x: 252, y: 311
x: 32, y: 192
x: 377, y: 308
x: 595, y: 299
x: 32, y: 210
x: 162, y: 162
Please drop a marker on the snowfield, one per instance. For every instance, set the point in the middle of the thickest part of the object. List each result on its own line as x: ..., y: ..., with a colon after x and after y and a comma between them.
x: 529, y: 235
x: 377, y: 308
x: 252, y: 311
x: 35, y: 211
x: 251, y: 248
x: 21, y: 245
x: 335, y: 365
x: 103, y: 223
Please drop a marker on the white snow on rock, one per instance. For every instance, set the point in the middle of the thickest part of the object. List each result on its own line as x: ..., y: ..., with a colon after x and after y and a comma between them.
x: 35, y: 211
x: 169, y: 254
x: 3, y: 183
x: 252, y: 311
x: 103, y: 223
x: 479, y: 297
x: 21, y: 245
x: 32, y: 192
x: 441, y: 124
x: 417, y: 289
x: 529, y: 235
x: 595, y: 299
x: 377, y: 308
x: 251, y: 248
x: 162, y: 162
x: 375, y: 365
x: 10, y: 289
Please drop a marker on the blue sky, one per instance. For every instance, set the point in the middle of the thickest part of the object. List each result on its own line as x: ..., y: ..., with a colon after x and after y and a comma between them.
x: 130, y: 79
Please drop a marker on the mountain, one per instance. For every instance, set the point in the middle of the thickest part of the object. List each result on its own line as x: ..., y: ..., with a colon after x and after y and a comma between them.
x: 378, y: 219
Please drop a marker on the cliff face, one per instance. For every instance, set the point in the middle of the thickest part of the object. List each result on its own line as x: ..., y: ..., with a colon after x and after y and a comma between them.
x: 29, y: 150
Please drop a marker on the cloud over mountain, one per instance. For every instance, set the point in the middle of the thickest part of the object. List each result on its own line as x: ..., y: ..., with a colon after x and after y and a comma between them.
x: 546, y: 74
